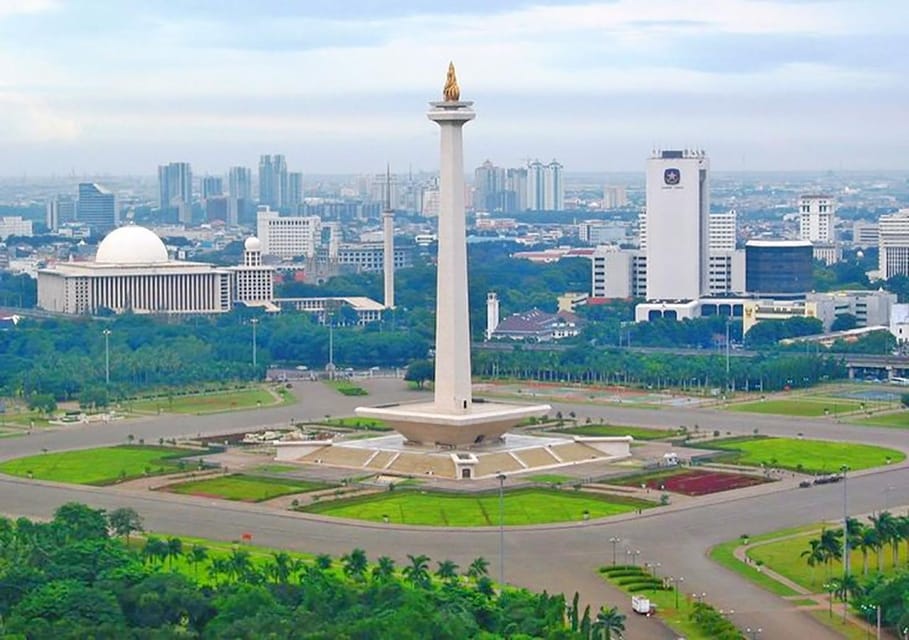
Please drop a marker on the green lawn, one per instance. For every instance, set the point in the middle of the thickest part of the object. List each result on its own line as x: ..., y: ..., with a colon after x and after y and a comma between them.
x: 810, y: 456
x: 98, y: 466
x: 210, y: 402
x: 551, y: 478
x: 899, y: 420
x: 802, y: 407
x: 522, y: 507
x: 638, y: 433
x: 245, y: 488
x: 346, y: 387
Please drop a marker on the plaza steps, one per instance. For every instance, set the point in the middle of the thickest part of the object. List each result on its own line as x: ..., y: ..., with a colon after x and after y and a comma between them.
x: 574, y: 452
x: 381, y: 459
x: 422, y: 465
x: 339, y: 456
x: 537, y: 457
x: 492, y: 463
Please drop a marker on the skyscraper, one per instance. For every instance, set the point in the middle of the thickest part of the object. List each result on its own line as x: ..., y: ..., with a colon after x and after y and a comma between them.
x: 175, y: 189
x: 61, y: 209
x: 273, y: 183
x: 817, y: 221
x: 294, y: 196
x: 239, y: 204
x: 677, y: 223
x: 96, y: 207
x: 545, y: 187
x: 893, y: 257
x: 489, y: 187
x: 212, y: 186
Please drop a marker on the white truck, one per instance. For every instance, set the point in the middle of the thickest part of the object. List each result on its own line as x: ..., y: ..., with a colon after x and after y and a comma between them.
x: 641, y: 605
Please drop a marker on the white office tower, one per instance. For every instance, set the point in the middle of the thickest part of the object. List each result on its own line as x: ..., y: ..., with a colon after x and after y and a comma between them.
x: 893, y: 245
x: 678, y: 206
x: 817, y: 222
x: 61, y: 210
x: 722, y: 231
x: 288, y: 237
x: 545, y: 187
x: 492, y: 313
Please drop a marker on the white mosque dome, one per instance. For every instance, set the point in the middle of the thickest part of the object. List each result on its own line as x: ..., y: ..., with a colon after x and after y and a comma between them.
x: 252, y: 244
x: 131, y: 244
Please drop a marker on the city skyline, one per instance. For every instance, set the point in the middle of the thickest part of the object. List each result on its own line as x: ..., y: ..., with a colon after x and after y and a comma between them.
x: 96, y: 87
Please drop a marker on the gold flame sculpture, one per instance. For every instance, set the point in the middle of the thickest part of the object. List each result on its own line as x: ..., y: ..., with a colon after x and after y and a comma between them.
x: 451, y: 92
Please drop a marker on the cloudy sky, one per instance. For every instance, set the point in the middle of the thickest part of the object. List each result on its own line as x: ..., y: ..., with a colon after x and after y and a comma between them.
x: 119, y: 86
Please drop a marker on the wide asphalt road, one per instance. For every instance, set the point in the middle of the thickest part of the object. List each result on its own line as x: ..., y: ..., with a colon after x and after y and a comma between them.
x: 557, y: 558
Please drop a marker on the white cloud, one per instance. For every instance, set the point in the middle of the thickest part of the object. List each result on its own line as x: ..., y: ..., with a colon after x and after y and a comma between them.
x: 14, y: 7
x: 26, y: 118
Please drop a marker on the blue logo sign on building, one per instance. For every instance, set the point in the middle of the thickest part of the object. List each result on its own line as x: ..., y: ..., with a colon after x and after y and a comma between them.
x: 672, y: 177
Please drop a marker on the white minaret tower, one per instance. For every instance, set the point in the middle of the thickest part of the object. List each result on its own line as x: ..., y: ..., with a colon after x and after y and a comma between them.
x: 492, y: 313
x: 452, y: 380
x: 388, y: 237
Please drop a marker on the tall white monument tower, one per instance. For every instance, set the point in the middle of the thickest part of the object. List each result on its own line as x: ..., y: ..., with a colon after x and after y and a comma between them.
x: 452, y: 419
x: 388, y: 238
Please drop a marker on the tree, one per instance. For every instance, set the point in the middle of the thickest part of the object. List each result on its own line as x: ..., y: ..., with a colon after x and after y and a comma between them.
x: 814, y: 555
x: 417, y: 573
x: 478, y: 568
x: 355, y: 564
x: 174, y: 549
x: 197, y: 554
x: 42, y: 402
x: 447, y: 571
x: 609, y: 624
x: 420, y: 371
x: 867, y: 541
x: 78, y: 522
x: 155, y: 550
x: 124, y: 521
x: 384, y: 569
x: 844, y: 322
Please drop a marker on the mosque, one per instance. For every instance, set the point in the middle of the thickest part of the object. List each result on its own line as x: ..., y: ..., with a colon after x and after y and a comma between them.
x: 132, y: 272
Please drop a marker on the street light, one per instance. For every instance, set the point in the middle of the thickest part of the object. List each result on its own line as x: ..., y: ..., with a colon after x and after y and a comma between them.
x: 254, y: 322
x: 843, y: 470
x: 868, y: 610
x: 754, y: 632
x: 676, y: 584
x: 501, y: 478
x: 106, y: 333
x: 614, y: 540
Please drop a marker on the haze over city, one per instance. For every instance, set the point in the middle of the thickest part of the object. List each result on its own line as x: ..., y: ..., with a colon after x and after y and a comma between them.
x: 98, y: 87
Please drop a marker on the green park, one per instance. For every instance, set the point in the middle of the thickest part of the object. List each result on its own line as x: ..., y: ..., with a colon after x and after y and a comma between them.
x: 804, y: 407
x: 245, y: 488
x: 519, y: 507
x: 211, y: 402
x: 101, y: 466
x: 807, y: 456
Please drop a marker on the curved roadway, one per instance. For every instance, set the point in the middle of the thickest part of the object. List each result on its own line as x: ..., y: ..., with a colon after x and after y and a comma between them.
x: 557, y: 558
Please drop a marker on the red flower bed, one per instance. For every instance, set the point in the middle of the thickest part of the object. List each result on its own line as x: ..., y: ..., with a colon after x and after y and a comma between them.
x: 699, y: 483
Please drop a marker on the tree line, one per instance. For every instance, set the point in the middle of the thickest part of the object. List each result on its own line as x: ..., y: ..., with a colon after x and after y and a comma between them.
x: 82, y: 576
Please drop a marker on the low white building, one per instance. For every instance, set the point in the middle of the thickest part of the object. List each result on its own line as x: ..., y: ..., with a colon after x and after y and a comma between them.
x: 14, y: 226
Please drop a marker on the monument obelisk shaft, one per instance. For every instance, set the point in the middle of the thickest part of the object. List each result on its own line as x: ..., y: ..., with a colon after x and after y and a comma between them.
x: 452, y: 374
x: 388, y: 240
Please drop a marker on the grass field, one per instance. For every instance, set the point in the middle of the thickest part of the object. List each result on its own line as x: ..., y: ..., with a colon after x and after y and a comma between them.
x: 346, y: 387
x: 210, y: 402
x: 245, y: 488
x: 810, y: 407
x: 638, y: 433
x: 898, y: 420
x: 522, y: 507
x: 98, y: 466
x: 810, y: 456
x: 551, y: 478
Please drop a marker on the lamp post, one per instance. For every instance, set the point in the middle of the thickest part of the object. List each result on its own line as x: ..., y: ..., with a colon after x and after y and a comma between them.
x: 754, y: 633
x: 728, y: 385
x: 106, y: 333
x: 634, y: 556
x: 676, y: 585
x: 501, y: 478
x: 254, y: 322
x: 614, y: 540
x: 843, y: 470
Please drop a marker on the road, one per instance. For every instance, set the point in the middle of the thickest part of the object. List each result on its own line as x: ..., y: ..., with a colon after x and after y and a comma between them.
x: 557, y: 558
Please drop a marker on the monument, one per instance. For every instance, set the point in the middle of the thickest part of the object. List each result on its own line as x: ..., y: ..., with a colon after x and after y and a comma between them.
x: 453, y: 419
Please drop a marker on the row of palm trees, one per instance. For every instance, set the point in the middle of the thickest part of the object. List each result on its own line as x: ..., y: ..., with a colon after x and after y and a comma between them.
x: 882, y: 530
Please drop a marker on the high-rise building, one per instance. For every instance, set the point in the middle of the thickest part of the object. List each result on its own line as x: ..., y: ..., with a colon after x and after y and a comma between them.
x: 288, y: 236
x: 239, y: 183
x: 515, y: 190
x: 778, y: 268
x: 294, y: 196
x: 273, y: 179
x: 175, y: 189
x: 865, y: 234
x: 893, y: 244
x: 96, y: 207
x: 722, y: 232
x: 384, y: 188
x: 614, y: 197
x: 212, y: 186
x: 677, y: 210
x: 489, y: 187
x: 61, y: 210
x: 817, y: 222
x: 545, y: 187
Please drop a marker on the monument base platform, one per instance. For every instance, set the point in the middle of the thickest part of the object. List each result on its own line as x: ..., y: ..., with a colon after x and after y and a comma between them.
x: 422, y: 423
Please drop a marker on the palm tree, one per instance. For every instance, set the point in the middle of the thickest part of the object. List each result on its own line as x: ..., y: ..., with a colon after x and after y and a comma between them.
x: 888, y: 533
x: 239, y: 564
x: 197, y: 554
x: 478, y: 568
x: 174, y: 550
x: 447, y: 571
x: 384, y: 569
x: 418, y: 571
x: 844, y: 587
x: 831, y: 545
x: 323, y: 561
x: 280, y: 567
x: 867, y: 541
x: 155, y: 550
x: 355, y: 564
x: 219, y: 569
x: 814, y: 555
x: 609, y: 624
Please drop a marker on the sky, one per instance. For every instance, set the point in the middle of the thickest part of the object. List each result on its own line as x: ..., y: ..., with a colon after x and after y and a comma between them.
x: 93, y: 87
